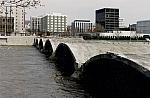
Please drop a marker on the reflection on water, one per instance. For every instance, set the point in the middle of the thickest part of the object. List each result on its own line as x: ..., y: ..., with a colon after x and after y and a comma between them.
x: 25, y: 73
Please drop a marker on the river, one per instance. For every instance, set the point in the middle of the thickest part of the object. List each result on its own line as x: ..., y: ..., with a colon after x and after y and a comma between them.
x: 26, y: 73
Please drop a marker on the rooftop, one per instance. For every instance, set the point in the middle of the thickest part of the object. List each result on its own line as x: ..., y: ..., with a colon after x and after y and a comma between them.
x: 81, y: 20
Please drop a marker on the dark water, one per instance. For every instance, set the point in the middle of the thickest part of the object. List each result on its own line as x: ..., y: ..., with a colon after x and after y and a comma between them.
x: 26, y: 73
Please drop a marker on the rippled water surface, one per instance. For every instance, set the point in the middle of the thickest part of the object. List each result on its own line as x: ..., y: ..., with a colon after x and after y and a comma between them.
x: 26, y: 73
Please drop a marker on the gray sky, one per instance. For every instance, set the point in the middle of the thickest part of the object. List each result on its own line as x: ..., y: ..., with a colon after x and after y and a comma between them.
x: 130, y: 10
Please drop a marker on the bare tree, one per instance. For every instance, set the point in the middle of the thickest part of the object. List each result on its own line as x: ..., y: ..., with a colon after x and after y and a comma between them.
x: 22, y: 3
x: 5, y: 4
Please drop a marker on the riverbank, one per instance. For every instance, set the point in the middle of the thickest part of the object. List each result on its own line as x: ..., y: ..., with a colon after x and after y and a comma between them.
x: 29, y: 40
x: 17, y: 40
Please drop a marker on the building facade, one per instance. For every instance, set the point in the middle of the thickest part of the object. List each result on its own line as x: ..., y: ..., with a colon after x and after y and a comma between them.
x: 122, y: 23
x: 132, y: 27
x: 107, y: 19
x: 19, y: 19
x: 6, y: 25
x: 35, y: 24
x: 55, y: 23
x: 18, y: 14
x: 81, y: 26
x: 143, y: 27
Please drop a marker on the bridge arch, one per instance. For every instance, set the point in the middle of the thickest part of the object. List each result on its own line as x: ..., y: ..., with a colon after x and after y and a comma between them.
x: 36, y: 43
x: 48, y: 49
x: 109, y: 75
x: 40, y: 44
x: 65, y: 60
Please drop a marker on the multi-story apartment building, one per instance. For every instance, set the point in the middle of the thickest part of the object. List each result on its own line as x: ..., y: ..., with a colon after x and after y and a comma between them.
x: 19, y: 19
x: 122, y: 23
x: 6, y: 25
x: 143, y: 27
x: 18, y: 14
x: 107, y: 19
x: 35, y: 24
x: 54, y: 23
x: 81, y: 26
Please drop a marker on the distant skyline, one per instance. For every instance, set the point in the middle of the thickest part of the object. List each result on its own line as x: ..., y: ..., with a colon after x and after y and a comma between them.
x: 131, y: 10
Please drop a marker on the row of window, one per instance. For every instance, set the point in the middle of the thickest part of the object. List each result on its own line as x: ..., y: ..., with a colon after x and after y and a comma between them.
x: 18, y: 29
x: 61, y: 22
x: 55, y: 28
x: 112, y: 10
x: 57, y: 24
x: 52, y: 29
x: 56, y: 17
x: 56, y: 20
x: 3, y: 26
x: 8, y: 20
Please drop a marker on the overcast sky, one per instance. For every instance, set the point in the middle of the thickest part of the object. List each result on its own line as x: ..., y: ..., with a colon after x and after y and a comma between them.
x: 130, y: 10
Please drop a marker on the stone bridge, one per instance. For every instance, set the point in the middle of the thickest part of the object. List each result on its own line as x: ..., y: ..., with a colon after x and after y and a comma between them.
x: 83, y: 50
x: 120, y: 68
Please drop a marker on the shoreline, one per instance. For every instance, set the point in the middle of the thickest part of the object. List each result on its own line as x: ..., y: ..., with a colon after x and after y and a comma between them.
x: 17, y: 40
x: 29, y: 40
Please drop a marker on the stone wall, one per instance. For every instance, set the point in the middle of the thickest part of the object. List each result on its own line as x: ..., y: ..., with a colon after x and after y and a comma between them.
x: 17, y: 40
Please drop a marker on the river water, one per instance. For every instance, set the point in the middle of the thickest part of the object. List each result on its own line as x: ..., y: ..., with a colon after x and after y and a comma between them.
x: 26, y: 73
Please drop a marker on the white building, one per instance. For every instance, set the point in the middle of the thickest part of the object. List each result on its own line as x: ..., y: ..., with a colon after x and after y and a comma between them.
x: 35, y: 24
x: 18, y: 14
x: 19, y: 19
x: 81, y: 26
x: 143, y: 27
x: 122, y: 23
x: 54, y: 23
